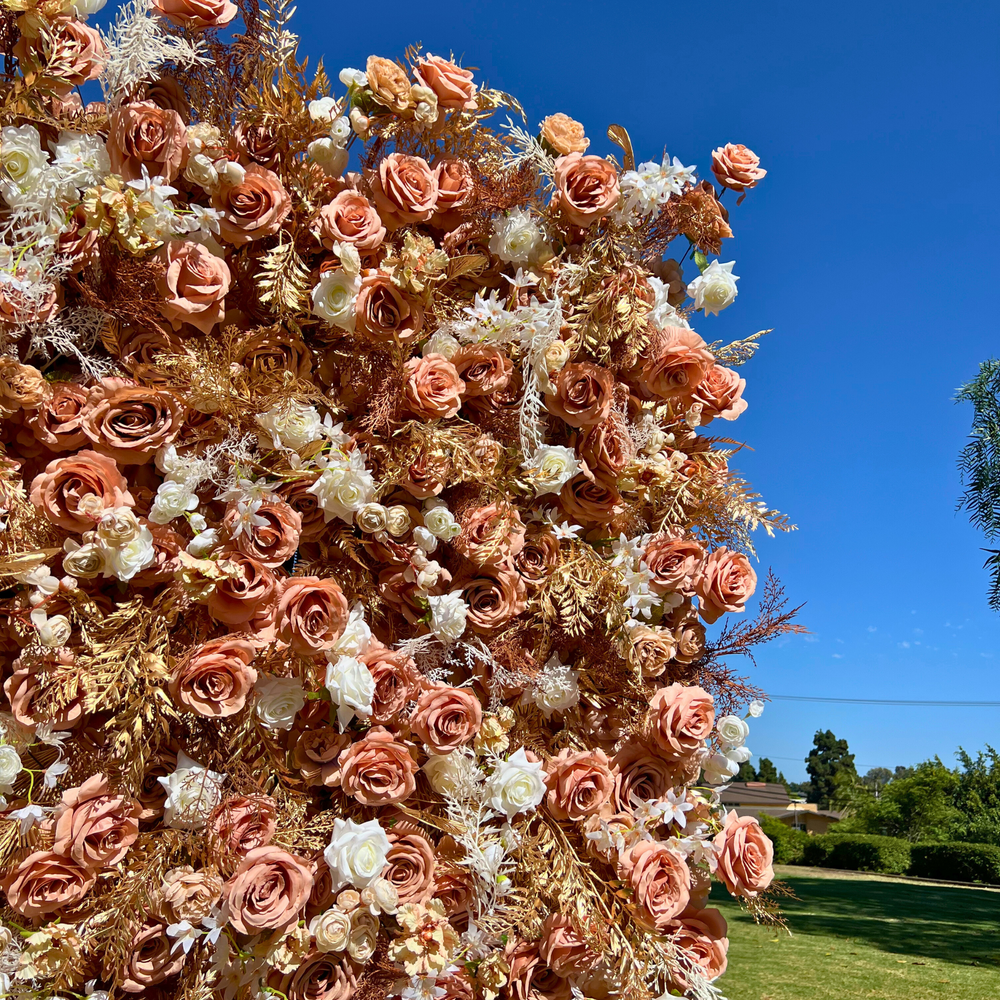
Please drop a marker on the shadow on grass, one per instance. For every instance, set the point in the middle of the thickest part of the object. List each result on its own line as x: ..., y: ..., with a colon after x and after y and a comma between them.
x: 952, y: 925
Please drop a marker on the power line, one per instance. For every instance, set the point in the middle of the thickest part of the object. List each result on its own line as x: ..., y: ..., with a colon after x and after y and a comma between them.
x: 888, y: 701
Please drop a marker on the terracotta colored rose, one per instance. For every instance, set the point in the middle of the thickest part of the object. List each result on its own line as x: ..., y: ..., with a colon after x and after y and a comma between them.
x: 320, y: 976
x: 590, y: 499
x: 580, y: 783
x: 151, y: 793
x: 71, y: 48
x: 85, y: 477
x: 45, y: 882
x: 607, y: 447
x: 652, y: 650
x: 139, y: 346
x: 268, y: 890
x: 130, y: 422
x: 23, y: 687
x: 196, y: 14
x: 273, y: 349
x: 405, y: 189
x: 427, y: 474
x: 494, y: 600
x: 736, y: 167
x: 530, y: 978
x: 564, y: 134
x: 388, y: 83
x: 311, y: 614
x: 690, y: 637
x: 702, y: 936
x: 453, y: 880
x: 316, y: 752
x: 258, y: 144
x: 456, y: 985
x: 252, y: 209
x: 491, y: 535
x: 396, y: 679
x: 582, y: 394
x: 538, y: 557
x: 675, y: 364
x: 660, y: 882
x: 682, y: 719
x: 166, y: 92
x: 296, y: 494
x: 349, y: 218
x: 446, y: 717
x: 94, y: 827
x: 237, y: 599
x: 721, y: 394
x: 55, y: 423
x: 244, y: 823
x: 76, y: 244
x: 377, y: 770
x: 409, y: 866
x: 433, y: 388
x: 745, y: 856
x: 214, y: 679
x: 456, y: 190
x: 564, y: 948
x: 674, y: 563
x: 384, y: 313
x: 451, y: 84
x: 152, y: 958
x: 482, y: 368
x: 194, y: 285
x: 586, y: 188
x: 146, y: 135
x: 642, y: 774
x: 189, y: 895
x: 272, y: 543
x: 724, y: 584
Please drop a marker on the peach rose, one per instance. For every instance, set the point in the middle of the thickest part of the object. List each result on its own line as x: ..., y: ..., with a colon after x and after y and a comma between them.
x: 76, y: 244
x: 675, y: 364
x: 405, y: 190
x: 446, y: 717
x: 23, y: 687
x: 494, y: 599
x: 130, y: 422
x: 196, y: 14
x: 538, y: 557
x: 491, y: 535
x: 586, y: 188
x: 388, y: 83
x: 690, y: 638
x: 45, y: 882
x: 55, y: 422
x: 272, y: 543
x: 268, y: 890
x: 254, y: 208
x: 590, y: 499
x: 311, y: 614
x: 75, y: 490
x: 564, y: 134
x: 427, y: 474
x: 582, y: 394
x: 194, y: 285
x: 433, y: 388
x: 257, y: 143
x: 410, y: 866
x: 736, y: 167
x: 641, y: 775
x: 316, y: 752
x: 702, y: 936
x: 214, y: 679
x: 530, y: 978
x: 456, y: 190
x: 721, y: 394
x: 607, y: 447
x: 188, y: 895
x: 725, y: 582
x: 319, y: 976
x: 482, y: 368
x: 146, y: 135
x: 152, y: 959
x: 70, y: 51
x: 674, y: 563
x: 451, y: 84
x: 244, y: 823
x: 377, y: 770
x: 682, y: 719
x: 396, y: 679
x: 660, y: 882
x: 580, y: 783
x: 745, y: 856
x: 564, y: 949
x: 384, y: 313
x: 235, y: 600
x: 349, y: 218
x: 94, y: 827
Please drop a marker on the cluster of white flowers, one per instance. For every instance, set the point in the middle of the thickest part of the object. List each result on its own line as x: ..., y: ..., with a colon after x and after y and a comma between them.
x: 648, y: 188
x: 120, y: 546
x: 336, y: 294
x: 344, y: 486
x: 642, y: 601
x: 330, y: 152
x: 732, y: 731
x: 662, y: 313
x: 177, y: 494
x: 715, y: 288
x: 518, y: 238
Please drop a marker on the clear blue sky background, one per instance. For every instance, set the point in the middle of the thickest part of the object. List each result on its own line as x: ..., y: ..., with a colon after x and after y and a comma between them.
x: 870, y: 248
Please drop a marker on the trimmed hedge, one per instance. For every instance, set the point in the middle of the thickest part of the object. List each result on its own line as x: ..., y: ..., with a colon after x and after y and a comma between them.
x: 957, y: 862
x: 858, y: 852
x: 788, y: 843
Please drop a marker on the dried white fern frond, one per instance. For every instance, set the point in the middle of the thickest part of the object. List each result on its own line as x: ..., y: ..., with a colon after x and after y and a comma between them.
x: 525, y: 148
x: 279, y: 43
x: 74, y: 333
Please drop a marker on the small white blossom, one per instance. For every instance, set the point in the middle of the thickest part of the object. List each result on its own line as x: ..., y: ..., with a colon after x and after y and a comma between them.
x: 353, y: 77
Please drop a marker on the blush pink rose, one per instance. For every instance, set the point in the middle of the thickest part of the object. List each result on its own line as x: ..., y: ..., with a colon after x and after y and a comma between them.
x: 736, y: 167
x: 591, y: 499
x: 70, y: 48
x: 349, y: 218
x: 702, y: 936
x: 564, y: 949
x: 493, y: 599
x: 725, y: 582
x: 236, y: 600
x: 45, y: 882
x: 396, y: 680
x: 146, y: 135
x: 745, y: 856
x: 675, y: 364
x: 377, y: 770
x: 433, y: 388
x: 586, y: 188
x: 405, y: 190
x: 315, y: 755
x: 93, y: 826
x: 451, y: 84
x: 254, y: 208
x: 131, y: 422
x: 446, y: 718
x: 319, y: 976
x: 682, y: 719
x: 214, y: 679
x: 244, y: 823
x: 582, y: 395
x: 194, y: 285
x: 55, y: 422
x: 268, y: 890
x: 674, y: 563
x: 607, y: 447
x: 482, y: 368
x: 311, y: 614
x: 410, y: 865
x: 491, y: 535
x: 385, y: 313
x: 720, y: 393
x: 152, y: 959
x: 660, y: 883
x: 197, y: 14
x: 580, y: 784
x: 642, y: 774
x: 272, y: 543
x: 456, y: 191
x: 86, y: 477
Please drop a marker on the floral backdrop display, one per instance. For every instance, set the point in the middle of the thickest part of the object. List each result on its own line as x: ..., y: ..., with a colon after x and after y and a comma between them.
x: 364, y: 502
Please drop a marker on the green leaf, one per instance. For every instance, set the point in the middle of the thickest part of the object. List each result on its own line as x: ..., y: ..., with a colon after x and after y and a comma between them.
x: 701, y: 260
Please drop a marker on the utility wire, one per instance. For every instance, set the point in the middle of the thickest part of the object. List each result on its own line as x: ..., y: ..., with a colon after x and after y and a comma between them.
x: 888, y: 701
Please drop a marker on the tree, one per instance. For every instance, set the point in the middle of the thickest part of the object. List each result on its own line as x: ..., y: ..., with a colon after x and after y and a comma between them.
x: 746, y: 772
x: 767, y: 771
x: 978, y: 796
x: 876, y: 779
x: 829, y: 757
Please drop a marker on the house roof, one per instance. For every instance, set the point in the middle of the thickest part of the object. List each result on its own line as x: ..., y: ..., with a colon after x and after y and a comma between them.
x: 755, y: 793
x: 778, y: 812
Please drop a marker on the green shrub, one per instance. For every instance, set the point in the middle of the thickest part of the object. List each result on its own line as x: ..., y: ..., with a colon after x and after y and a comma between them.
x: 957, y: 862
x: 858, y: 852
x: 788, y: 843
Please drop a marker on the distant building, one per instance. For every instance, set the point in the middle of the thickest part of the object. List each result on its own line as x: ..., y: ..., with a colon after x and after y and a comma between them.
x: 757, y: 798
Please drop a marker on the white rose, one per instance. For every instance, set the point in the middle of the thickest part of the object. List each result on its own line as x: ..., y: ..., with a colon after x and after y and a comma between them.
x: 321, y: 110
x: 756, y: 709
x: 715, y: 288
x: 440, y: 521
x: 349, y: 257
x: 21, y: 153
x: 10, y: 767
x: 380, y: 897
x: 356, y: 852
x: 516, y: 237
x: 356, y: 637
x: 344, y: 487
x: 441, y: 343
x: 738, y: 755
x: 231, y: 173
x: 118, y: 527
x: 371, y: 517
x: 450, y: 773
x: 353, y: 77
x: 334, y: 297
x: 398, y: 521
x: 204, y: 543
x: 516, y: 785
x: 427, y: 542
x: 52, y: 632
x: 331, y: 930
x: 82, y: 561
x: 351, y: 687
x: 557, y: 688
x: 364, y: 936
x: 331, y: 156
x: 732, y: 730
x: 127, y: 560
x: 279, y: 700
x: 719, y: 769
x: 340, y: 130
x: 201, y: 170
x: 448, y: 615
x: 193, y: 792
x: 551, y: 467
x: 172, y: 500
x: 292, y: 426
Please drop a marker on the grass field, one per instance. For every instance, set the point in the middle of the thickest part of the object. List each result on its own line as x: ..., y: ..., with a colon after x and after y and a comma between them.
x: 861, y: 937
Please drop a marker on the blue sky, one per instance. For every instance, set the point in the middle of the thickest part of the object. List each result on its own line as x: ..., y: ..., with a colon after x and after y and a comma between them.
x: 870, y: 248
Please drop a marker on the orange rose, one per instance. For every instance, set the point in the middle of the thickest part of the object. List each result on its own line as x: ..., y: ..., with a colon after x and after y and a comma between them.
x: 311, y: 614
x: 244, y: 823
x: 674, y: 563
x: 660, y: 882
x: 130, y: 422
x: 214, y: 679
x: 433, y: 388
x: 384, y: 313
x: 579, y: 782
x: 45, y: 882
x: 268, y: 890
x: 446, y: 717
x: 272, y: 543
x: 564, y: 949
x: 194, y: 285
x: 590, y: 499
x: 702, y: 936
x: 745, y: 856
x: 349, y: 218
x: 235, y: 600
x: 254, y: 208
x: 682, y: 719
x: 94, y: 827
x: 586, y: 188
x: 494, y: 600
x: 491, y: 535
x: 405, y: 189
x: 564, y: 134
x: 410, y: 867
x: 451, y: 84
x: 197, y: 14
x: 146, y: 135
x: 721, y: 394
x: 582, y: 394
x: 725, y: 582
x: 55, y: 422
x: 675, y: 364
x: 396, y: 678
x: 256, y: 144
x: 152, y: 958
x: 736, y: 167
x: 482, y: 368
x: 86, y: 479
x: 70, y: 51
x: 377, y: 770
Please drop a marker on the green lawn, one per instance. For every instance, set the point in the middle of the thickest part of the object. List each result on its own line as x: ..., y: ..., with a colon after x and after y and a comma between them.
x: 861, y: 937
